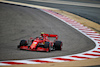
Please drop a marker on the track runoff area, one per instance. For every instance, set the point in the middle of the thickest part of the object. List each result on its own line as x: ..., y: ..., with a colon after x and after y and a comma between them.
x: 94, y: 36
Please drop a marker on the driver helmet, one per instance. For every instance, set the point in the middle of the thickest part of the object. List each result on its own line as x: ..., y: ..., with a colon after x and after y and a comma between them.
x: 42, y: 33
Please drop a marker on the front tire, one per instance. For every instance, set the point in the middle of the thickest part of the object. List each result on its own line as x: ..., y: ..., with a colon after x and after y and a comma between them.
x: 22, y: 43
x: 47, y: 46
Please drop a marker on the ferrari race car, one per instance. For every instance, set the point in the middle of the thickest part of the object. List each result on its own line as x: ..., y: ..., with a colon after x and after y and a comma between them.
x: 41, y: 43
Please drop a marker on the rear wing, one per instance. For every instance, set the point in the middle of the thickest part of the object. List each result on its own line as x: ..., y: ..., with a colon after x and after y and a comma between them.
x: 50, y: 35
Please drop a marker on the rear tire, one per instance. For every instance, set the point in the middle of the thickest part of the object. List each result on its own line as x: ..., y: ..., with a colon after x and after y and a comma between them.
x: 22, y: 43
x: 58, y: 45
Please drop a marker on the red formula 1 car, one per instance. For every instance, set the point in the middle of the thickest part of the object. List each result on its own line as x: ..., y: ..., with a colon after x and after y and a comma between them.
x: 41, y: 43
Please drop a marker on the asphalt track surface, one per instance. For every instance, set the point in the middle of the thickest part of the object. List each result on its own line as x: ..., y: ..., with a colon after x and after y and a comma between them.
x: 91, y: 13
x: 17, y: 23
x: 84, y: 1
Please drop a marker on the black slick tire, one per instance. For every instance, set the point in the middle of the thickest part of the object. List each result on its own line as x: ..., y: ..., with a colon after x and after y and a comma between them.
x: 47, y: 46
x: 58, y: 45
x: 22, y: 43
